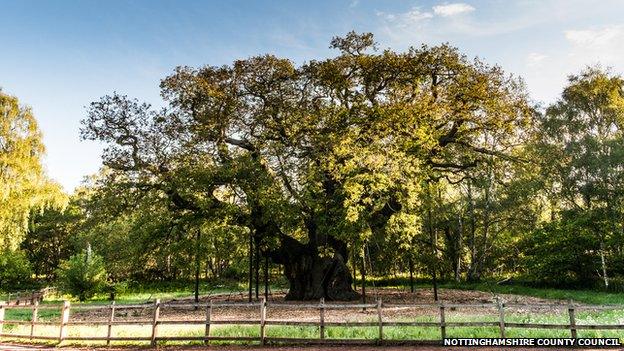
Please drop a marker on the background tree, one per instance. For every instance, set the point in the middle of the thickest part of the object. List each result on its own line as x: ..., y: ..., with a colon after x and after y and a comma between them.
x: 582, y: 153
x: 15, y: 270
x: 83, y: 275
x: 23, y: 183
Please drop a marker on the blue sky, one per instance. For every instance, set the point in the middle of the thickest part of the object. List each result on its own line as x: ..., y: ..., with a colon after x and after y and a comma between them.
x: 57, y: 56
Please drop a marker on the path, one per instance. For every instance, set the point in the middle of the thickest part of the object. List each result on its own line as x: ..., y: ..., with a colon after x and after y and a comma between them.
x: 13, y: 347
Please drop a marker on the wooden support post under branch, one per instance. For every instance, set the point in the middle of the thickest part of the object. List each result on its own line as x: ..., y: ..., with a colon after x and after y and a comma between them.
x: 64, y: 321
x: 111, y: 319
x: 572, y: 319
x: 380, y: 319
x: 208, y: 319
x: 33, y: 320
x: 155, y: 322
x: 501, y: 317
x: 263, y: 321
x: 322, y: 318
x: 442, y: 322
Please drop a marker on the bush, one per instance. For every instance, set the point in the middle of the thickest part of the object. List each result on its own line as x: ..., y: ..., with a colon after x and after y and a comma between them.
x: 563, y: 254
x: 113, y: 289
x: 15, y: 270
x: 233, y: 273
x: 83, y: 275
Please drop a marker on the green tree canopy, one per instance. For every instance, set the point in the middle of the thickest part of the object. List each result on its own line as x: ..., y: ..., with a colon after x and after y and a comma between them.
x: 582, y: 149
x: 312, y: 159
x: 24, y: 186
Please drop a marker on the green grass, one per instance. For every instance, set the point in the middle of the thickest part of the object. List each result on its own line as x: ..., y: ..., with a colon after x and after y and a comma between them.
x: 148, y: 292
x: 583, y: 296
x: 370, y: 333
x: 25, y: 314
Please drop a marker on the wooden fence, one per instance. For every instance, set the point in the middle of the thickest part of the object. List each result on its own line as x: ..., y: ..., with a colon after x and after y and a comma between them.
x: 379, y: 321
x: 28, y: 297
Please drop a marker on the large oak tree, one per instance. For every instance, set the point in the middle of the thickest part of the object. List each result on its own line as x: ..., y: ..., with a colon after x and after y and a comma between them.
x: 314, y: 159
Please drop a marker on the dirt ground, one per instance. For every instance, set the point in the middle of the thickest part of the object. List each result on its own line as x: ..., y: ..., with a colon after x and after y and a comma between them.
x: 291, y: 310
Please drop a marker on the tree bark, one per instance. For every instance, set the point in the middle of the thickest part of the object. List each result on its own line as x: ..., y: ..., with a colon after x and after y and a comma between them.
x: 486, y: 227
x: 472, y: 276
x: 354, y: 266
x: 250, y: 264
x: 266, y: 277
x: 197, y: 263
x: 411, y: 273
x: 363, y: 273
x: 603, y: 262
x: 311, y: 276
x: 460, y: 237
x: 257, y: 268
x: 434, y: 245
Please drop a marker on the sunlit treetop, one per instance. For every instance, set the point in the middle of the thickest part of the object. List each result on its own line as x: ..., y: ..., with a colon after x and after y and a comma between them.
x: 328, y: 152
x: 23, y: 184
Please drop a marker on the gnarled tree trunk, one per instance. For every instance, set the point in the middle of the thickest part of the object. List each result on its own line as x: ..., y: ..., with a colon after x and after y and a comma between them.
x: 310, y: 275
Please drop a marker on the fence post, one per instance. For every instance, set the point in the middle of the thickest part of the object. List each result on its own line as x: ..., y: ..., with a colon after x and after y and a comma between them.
x: 380, y: 319
x: 322, y: 318
x: 111, y: 319
x: 208, y: 318
x: 501, y: 317
x: 35, y: 311
x: 572, y: 319
x: 155, y: 322
x: 64, y: 321
x: 442, y: 321
x: 262, y: 320
x: 2, y: 309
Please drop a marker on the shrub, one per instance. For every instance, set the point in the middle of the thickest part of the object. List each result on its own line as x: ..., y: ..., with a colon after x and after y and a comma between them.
x: 15, y: 269
x: 83, y: 275
x: 563, y: 255
x: 233, y: 273
x: 113, y: 289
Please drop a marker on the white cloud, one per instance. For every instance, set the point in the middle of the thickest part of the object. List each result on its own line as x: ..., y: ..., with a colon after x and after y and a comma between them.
x: 582, y: 46
x: 412, y: 18
x: 432, y: 25
x: 535, y: 59
x: 596, y: 37
x: 454, y: 9
x: 597, y: 44
x: 560, y: 41
x: 414, y: 15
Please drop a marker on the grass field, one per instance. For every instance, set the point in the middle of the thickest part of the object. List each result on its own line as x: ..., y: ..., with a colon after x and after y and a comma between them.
x: 370, y: 333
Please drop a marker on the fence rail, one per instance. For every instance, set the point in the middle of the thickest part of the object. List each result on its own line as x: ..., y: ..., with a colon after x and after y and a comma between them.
x: 28, y: 297
x: 380, y: 321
